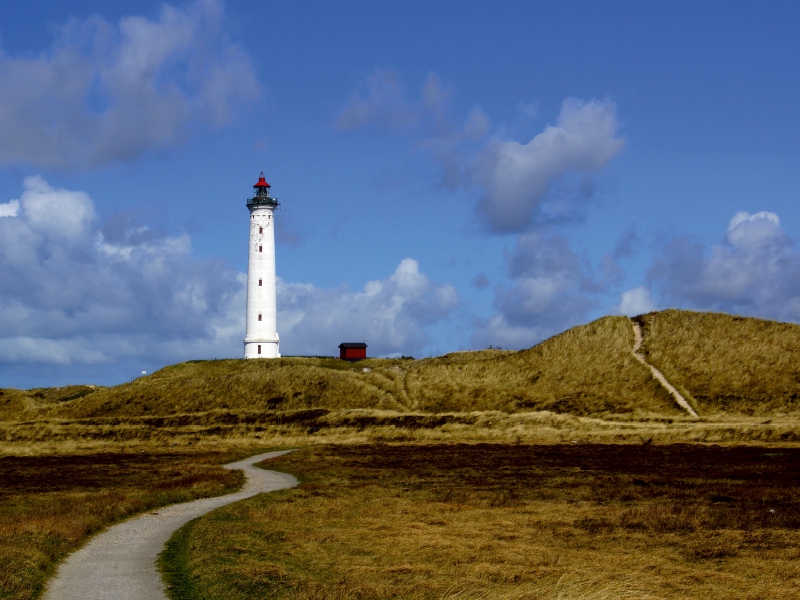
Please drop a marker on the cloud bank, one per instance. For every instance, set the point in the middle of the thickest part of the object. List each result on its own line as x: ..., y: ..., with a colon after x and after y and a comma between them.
x: 552, y: 288
x: 522, y: 185
x: 104, y: 93
x: 754, y: 270
x: 72, y: 292
x: 76, y: 291
x: 390, y: 314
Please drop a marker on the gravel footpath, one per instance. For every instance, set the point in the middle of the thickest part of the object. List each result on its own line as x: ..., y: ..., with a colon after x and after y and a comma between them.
x: 119, y: 563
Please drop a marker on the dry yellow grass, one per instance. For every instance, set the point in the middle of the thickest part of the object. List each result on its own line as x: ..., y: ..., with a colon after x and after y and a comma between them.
x: 230, y: 429
x: 743, y: 376
x: 50, y: 505
x: 722, y: 364
x: 18, y: 405
x: 506, y: 521
x: 727, y: 364
x: 587, y: 370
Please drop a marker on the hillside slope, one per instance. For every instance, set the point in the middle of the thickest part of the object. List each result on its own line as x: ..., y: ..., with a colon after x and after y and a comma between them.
x: 588, y: 370
x: 727, y: 364
x: 19, y: 405
x: 720, y: 363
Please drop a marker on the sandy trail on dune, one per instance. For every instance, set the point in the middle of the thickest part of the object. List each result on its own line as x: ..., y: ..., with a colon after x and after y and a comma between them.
x: 637, y: 334
x: 119, y: 563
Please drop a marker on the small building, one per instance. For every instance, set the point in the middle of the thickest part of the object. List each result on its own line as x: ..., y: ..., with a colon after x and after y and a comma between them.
x: 352, y: 351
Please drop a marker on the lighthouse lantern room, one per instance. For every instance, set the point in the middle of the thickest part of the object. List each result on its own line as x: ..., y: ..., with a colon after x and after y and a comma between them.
x: 261, y: 338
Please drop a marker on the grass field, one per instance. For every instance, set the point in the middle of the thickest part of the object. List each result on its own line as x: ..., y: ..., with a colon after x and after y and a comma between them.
x: 506, y: 521
x: 50, y: 505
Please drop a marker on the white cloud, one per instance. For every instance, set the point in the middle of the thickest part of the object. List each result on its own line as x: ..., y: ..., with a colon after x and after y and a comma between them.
x: 522, y: 185
x: 746, y: 230
x: 9, y: 209
x: 755, y: 270
x: 23, y: 349
x: 105, y: 93
x: 553, y: 288
x: 71, y: 292
x: 390, y: 313
x: 636, y: 301
x: 518, y: 178
x: 58, y: 213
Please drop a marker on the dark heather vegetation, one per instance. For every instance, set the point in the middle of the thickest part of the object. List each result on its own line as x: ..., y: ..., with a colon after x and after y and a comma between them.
x: 50, y: 505
x: 490, y: 521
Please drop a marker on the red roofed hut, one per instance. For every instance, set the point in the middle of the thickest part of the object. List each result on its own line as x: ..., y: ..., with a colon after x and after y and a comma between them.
x: 352, y: 351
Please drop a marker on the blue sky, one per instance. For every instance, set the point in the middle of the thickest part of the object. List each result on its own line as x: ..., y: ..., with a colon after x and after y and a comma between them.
x: 453, y: 175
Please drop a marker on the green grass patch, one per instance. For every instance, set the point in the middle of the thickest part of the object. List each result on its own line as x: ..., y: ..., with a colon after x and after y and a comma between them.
x: 172, y: 563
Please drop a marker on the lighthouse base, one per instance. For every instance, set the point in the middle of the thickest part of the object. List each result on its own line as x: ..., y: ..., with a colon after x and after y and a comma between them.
x: 262, y: 349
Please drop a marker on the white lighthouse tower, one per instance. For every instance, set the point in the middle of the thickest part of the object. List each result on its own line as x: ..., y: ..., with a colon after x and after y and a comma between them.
x: 261, y: 338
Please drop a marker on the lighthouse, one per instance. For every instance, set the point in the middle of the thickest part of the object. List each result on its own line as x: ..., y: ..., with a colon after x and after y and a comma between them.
x: 261, y: 337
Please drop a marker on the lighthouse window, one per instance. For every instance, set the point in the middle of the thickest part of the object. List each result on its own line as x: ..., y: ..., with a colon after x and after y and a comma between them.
x: 259, y: 348
x: 259, y: 282
x: 259, y: 316
x: 259, y: 248
x: 260, y: 230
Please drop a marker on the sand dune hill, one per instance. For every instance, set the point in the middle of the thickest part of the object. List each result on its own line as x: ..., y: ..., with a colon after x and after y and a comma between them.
x: 720, y: 363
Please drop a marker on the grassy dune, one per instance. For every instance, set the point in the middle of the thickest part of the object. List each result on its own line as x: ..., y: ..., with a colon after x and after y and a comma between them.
x: 587, y: 370
x: 727, y: 364
x: 742, y: 375
x: 19, y: 405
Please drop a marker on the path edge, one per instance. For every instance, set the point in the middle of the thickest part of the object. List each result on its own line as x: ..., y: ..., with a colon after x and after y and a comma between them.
x: 55, y: 566
x: 175, y: 582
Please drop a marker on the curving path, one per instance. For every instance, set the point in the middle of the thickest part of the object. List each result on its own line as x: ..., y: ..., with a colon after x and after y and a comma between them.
x: 119, y: 563
x: 637, y: 335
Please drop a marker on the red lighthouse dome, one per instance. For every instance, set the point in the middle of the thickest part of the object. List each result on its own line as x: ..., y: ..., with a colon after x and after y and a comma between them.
x: 262, y: 183
x: 262, y: 193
